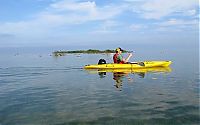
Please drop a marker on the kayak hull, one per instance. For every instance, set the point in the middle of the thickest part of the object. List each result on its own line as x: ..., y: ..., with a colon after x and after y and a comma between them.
x: 135, y: 65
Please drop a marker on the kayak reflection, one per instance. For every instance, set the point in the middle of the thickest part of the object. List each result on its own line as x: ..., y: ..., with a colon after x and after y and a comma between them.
x: 120, y: 74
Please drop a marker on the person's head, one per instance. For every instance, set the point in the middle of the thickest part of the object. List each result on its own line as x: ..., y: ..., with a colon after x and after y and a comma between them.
x: 119, y: 50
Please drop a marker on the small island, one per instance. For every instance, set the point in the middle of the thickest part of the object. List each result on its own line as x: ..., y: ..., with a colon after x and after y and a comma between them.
x: 89, y: 51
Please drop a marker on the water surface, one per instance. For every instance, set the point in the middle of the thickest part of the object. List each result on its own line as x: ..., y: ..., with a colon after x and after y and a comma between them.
x: 39, y: 89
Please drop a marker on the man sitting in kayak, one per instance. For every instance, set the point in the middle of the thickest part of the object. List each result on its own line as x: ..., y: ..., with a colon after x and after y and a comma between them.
x: 118, y: 58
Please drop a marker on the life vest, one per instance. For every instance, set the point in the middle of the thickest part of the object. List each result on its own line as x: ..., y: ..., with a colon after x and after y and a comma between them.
x: 102, y: 61
x: 116, y: 60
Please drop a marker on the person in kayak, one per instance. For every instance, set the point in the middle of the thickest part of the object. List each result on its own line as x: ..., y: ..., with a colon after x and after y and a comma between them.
x: 118, y: 58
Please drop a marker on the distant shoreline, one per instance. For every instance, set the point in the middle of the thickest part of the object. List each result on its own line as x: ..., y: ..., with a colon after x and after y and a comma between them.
x: 89, y: 51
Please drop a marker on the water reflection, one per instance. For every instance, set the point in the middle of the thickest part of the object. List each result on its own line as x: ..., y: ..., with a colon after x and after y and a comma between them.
x: 118, y: 77
x: 121, y: 74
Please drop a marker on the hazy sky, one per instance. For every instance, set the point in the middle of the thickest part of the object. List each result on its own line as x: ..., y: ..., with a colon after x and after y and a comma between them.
x: 96, y: 22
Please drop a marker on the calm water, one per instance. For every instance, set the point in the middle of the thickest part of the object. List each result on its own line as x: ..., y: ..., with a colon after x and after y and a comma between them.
x: 39, y: 89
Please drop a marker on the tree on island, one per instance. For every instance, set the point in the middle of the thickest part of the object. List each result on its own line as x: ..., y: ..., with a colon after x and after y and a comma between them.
x: 89, y: 51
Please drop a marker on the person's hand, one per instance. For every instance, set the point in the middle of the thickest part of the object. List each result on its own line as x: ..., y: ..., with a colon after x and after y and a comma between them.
x: 130, y: 54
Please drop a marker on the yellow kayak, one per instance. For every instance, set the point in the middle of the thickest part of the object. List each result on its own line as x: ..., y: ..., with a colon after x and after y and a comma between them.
x: 134, y: 65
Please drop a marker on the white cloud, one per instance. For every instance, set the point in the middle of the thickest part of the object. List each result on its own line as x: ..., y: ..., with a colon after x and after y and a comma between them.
x: 177, y: 25
x: 59, y: 14
x: 67, y: 13
x: 130, y: 0
x: 176, y: 22
x: 74, y: 6
x: 191, y: 12
x: 72, y: 12
x: 107, y: 27
x: 137, y: 27
x: 156, y: 9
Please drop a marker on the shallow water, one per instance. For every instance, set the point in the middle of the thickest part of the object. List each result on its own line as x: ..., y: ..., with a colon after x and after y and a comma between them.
x: 40, y: 89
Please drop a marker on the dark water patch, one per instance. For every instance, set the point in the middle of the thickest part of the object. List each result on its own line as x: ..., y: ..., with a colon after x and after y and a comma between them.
x: 20, y: 72
x: 12, y: 74
x: 24, y: 103
x: 197, y: 80
x: 172, y: 102
x: 181, y: 111
x: 123, y: 121
x: 5, y: 81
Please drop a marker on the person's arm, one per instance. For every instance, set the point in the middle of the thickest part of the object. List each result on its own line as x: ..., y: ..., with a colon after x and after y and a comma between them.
x: 129, y: 56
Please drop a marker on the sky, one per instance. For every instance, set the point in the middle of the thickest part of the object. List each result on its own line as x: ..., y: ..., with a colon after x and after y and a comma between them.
x: 32, y: 23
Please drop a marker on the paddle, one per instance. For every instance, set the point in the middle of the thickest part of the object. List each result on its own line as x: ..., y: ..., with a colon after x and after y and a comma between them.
x: 139, y: 63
